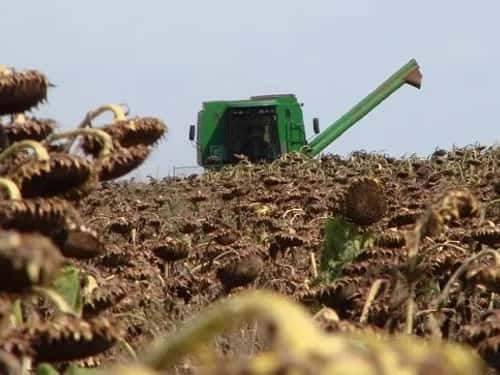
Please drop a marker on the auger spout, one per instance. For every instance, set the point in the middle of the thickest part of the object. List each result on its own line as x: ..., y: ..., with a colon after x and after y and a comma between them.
x: 409, y: 74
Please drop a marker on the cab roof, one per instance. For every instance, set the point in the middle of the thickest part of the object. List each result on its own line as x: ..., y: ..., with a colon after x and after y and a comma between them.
x: 256, y: 101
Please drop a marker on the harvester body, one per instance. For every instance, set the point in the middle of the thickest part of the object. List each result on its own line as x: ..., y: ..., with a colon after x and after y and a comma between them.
x: 264, y: 127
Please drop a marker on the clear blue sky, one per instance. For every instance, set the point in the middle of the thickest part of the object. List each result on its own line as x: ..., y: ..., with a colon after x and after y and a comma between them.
x: 164, y: 58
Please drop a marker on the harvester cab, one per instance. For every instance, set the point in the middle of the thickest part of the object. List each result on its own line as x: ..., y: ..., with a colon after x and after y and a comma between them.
x: 264, y: 127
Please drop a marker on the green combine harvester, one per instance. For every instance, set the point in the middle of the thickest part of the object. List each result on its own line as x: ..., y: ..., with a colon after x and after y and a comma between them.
x: 264, y: 127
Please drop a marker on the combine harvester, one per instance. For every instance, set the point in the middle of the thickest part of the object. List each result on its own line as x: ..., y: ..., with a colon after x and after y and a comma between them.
x: 264, y: 127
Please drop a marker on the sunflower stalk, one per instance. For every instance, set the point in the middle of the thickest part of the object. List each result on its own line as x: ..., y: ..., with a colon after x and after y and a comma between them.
x: 13, y: 192
x: 40, y: 152
x: 103, y: 137
x: 118, y: 114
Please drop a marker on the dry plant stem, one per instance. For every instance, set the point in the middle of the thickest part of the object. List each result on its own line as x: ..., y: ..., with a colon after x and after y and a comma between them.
x: 166, y: 270
x: 314, y: 267
x: 118, y: 113
x: 298, y: 214
x: 413, y: 239
x: 40, y: 151
x: 10, y: 188
x: 224, y: 254
x: 318, y: 219
x: 298, y: 210
x: 254, y: 330
x: 410, y: 307
x: 371, y: 297
x: 8, y: 321
x: 446, y: 290
x: 227, y: 315
x: 431, y: 311
x: 491, y: 304
x: 485, y: 207
x: 495, y: 201
x: 102, y: 136
x: 26, y: 365
x: 444, y: 244
x: 133, y: 236
x: 455, y: 246
x: 130, y: 351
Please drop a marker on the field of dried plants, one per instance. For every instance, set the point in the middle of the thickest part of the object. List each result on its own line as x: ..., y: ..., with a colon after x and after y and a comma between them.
x: 365, y: 264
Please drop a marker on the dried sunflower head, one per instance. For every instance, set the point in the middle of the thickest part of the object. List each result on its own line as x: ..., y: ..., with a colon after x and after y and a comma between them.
x: 63, y: 174
x: 26, y: 260
x: 121, y: 162
x: 22, y: 128
x: 21, y: 91
x: 365, y: 202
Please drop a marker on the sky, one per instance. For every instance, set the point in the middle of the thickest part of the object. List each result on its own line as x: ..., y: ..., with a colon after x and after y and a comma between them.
x: 164, y: 58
